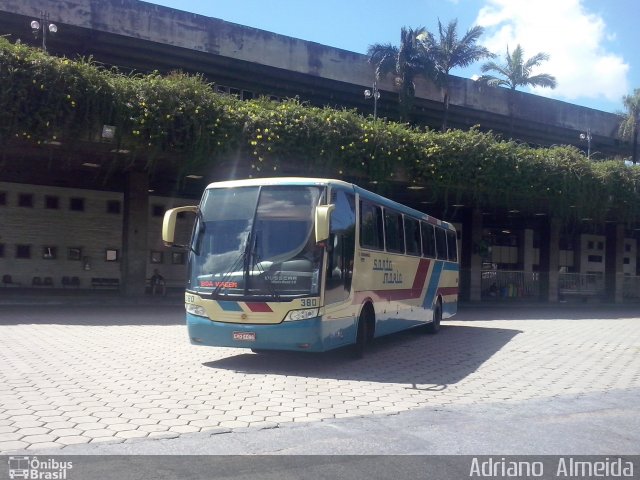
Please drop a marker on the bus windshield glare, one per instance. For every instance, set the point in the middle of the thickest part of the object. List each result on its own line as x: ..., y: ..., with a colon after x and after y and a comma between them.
x: 256, y: 243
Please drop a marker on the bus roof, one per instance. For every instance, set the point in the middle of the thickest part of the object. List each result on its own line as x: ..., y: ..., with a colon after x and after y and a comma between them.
x: 328, y: 181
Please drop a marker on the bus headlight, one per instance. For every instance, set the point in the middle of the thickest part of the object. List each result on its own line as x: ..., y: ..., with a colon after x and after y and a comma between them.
x: 195, y: 310
x: 304, y: 314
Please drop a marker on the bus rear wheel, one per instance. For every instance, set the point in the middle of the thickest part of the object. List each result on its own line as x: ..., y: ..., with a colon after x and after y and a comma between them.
x: 434, y: 327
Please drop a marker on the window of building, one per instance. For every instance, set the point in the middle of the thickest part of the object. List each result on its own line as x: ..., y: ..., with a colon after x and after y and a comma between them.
x: 590, y: 244
x: 595, y: 258
x: 76, y: 204
x: 1, y: 250
x: 23, y: 251
x: 177, y: 258
x: 247, y: 95
x: 371, y: 226
x: 627, y: 247
x: 25, y: 200
x: 3, y: 198
x: 49, y: 253
x: 74, y: 254
x: 114, y: 206
x: 155, y: 256
x: 111, y: 255
x: 51, y: 202
x: 600, y: 246
x: 627, y: 261
x: 566, y: 242
x: 412, y: 236
x: 157, y: 210
x: 393, y: 231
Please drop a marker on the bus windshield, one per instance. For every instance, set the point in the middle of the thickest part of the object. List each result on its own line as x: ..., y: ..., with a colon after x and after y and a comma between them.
x: 256, y: 243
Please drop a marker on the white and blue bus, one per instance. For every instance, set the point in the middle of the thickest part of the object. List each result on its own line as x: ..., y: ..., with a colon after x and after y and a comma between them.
x: 311, y: 265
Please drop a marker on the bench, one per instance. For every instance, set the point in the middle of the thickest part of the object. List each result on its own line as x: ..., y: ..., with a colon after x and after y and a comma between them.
x: 583, y: 294
x: 112, y: 283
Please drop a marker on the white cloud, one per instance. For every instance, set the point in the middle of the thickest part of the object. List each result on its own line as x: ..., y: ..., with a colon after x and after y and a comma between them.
x: 574, y: 38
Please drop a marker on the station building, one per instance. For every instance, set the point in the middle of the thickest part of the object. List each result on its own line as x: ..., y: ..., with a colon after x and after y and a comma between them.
x: 65, y: 225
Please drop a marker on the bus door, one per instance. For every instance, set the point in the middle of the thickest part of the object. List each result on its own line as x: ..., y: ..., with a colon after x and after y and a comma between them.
x: 339, y: 267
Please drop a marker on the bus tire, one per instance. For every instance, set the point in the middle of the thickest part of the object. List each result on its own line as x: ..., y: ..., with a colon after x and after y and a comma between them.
x: 364, y: 333
x: 434, y: 327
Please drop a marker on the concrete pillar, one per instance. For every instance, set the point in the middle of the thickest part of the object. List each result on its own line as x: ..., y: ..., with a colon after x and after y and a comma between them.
x: 475, y: 267
x: 135, y: 249
x: 525, y: 250
x: 614, y: 262
x: 549, y: 260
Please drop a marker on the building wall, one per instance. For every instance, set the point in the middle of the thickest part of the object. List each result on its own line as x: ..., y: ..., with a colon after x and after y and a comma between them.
x: 63, y: 242
x: 138, y: 21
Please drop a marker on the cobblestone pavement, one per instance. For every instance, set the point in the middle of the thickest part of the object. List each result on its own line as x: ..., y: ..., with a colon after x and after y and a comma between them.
x: 112, y: 374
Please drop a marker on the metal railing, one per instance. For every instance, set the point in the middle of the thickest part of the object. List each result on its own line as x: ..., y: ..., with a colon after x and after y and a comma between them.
x: 583, y: 284
x: 502, y: 284
x: 631, y: 288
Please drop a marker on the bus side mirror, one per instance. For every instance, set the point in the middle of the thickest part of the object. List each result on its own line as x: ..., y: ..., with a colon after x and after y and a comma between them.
x: 169, y: 223
x: 323, y: 216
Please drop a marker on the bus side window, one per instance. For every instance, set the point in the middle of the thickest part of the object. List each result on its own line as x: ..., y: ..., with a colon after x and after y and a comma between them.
x: 428, y: 240
x: 393, y: 231
x: 342, y: 238
x: 452, y: 247
x: 371, y: 226
x: 441, y: 244
x: 412, y: 236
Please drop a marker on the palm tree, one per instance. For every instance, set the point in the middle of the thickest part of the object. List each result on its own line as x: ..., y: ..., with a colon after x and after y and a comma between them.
x: 630, y: 125
x: 449, y: 52
x: 516, y: 72
x: 405, y: 62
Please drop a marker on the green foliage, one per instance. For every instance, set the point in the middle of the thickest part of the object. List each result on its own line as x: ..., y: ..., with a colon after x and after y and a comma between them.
x: 180, y: 119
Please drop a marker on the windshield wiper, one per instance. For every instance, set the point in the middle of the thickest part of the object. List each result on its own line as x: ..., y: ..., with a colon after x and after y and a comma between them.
x: 241, y: 259
x: 256, y: 262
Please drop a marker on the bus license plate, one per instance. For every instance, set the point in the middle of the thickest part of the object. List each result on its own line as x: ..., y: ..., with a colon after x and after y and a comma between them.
x: 245, y: 336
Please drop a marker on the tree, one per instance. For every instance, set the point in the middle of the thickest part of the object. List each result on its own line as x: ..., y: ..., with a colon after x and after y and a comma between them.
x: 405, y: 63
x: 631, y: 121
x: 517, y: 72
x: 449, y: 52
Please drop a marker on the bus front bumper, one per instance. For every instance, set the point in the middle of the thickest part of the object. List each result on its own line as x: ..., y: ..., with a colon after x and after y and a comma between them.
x: 301, y: 335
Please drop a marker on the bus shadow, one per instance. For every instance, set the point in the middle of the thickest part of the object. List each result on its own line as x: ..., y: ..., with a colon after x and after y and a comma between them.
x: 93, y: 315
x: 429, y: 362
x: 547, y: 312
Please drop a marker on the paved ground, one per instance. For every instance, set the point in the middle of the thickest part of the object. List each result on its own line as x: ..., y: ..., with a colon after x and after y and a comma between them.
x: 75, y: 375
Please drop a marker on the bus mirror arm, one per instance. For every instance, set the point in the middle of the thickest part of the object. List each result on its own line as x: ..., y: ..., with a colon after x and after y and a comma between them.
x: 322, y: 220
x: 169, y: 224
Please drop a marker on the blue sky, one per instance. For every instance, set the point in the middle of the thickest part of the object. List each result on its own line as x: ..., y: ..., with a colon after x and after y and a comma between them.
x: 594, y: 44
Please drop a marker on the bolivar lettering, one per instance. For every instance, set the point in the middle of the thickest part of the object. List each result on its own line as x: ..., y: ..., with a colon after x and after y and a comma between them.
x: 209, y: 283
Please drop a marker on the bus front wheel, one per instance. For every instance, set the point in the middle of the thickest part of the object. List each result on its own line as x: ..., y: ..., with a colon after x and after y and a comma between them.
x: 364, y: 333
x: 434, y: 326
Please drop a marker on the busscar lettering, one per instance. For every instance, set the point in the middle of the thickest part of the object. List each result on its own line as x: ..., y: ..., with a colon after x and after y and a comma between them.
x: 282, y: 279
